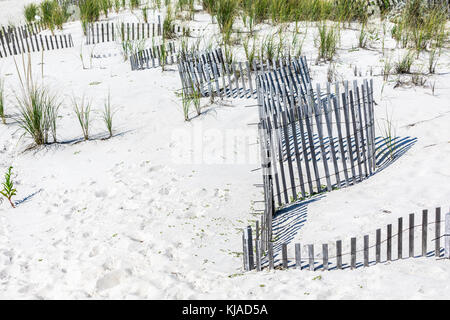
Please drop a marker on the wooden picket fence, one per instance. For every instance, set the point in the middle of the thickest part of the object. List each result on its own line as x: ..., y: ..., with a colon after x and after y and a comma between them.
x: 210, y: 75
x: 109, y: 31
x: 18, y: 44
x: 11, y: 35
x: 99, y: 32
x: 278, y: 255
x: 157, y: 56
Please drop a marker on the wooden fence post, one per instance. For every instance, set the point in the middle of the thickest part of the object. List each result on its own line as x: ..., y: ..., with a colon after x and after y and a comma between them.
x: 437, y: 236
x: 353, y: 253
x: 248, y: 249
x: 258, y: 254
x: 325, y: 256
x: 298, y: 256
x: 378, y: 246
x: 411, y: 235
x: 389, y: 243
x: 311, y: 256
x: 284, y: 255
x: 339, y: 254
x: 270, y: 254
x: 400, y: 239
x: 424, y: 232
x: 366, y: 250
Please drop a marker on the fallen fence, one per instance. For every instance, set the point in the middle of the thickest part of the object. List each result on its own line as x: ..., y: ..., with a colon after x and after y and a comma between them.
x: 279, y: 257
x: 156, y: 56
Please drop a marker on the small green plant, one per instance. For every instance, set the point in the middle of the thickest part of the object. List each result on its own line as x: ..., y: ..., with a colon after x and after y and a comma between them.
x: 82, y: 110
x: 8, y: 187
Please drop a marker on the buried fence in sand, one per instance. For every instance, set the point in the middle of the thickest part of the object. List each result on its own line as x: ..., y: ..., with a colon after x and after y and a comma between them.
x: 254, y: 257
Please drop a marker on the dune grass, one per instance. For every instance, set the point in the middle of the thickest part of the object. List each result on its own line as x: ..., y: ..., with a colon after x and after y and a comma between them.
x: 31, y: 11
x: 82, y: 109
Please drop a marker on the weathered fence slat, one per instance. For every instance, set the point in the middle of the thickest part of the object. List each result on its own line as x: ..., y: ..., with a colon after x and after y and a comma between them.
x: 411, y: 235
x: 389, y: 243
x: 437, y: 235
x: 378, y: 246
x: 339, y: 254
x: 284, y: 255
x: 325, y: 256
x: 366, y: 251
x: 400, y: 238
x: 353, y: 253
x: 311, y: 257
x: 298, y: 256
x: 424, y: 232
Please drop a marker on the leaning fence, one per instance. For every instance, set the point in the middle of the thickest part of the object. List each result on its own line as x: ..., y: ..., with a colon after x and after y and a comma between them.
x: 211, y: 75
x: 389, y: 247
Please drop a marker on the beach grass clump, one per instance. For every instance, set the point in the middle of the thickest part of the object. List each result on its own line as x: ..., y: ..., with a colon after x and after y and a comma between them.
x: 38, y: 108
x: 168, y: 25
x: 134, y: 4
x: 327, y: 40
x: 105, y: 6
x: 48, y: 12
x: 82, y: 109
x: 420, y: 26
x: 405, y: 63
x: 226, y: 12
x: 31, y: 11
x: 89, y: 12
x: 38, y: 113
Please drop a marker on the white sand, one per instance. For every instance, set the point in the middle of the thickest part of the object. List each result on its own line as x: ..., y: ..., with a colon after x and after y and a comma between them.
x: 128, y: 218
